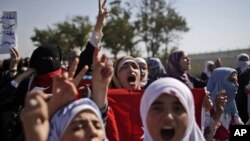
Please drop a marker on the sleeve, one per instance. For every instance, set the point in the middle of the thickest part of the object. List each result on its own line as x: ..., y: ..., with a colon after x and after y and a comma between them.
x: 198, y: 83
x: 86, y: 56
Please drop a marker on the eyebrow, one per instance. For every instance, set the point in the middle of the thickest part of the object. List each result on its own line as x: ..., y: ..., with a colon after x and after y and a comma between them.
x: 157, y: 102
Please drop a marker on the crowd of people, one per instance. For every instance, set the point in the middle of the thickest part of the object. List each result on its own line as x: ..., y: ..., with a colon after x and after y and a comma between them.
x: 41, y: 99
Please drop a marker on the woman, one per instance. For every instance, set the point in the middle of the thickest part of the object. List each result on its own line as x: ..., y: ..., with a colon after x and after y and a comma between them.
x: 126, y: 73
x: 143, y: 70
x: 225, y: 78
x: 167, y: 112
x: 79, y: 120
x: 178, y: 65
x: 155, y: 70
x: 207, y: 71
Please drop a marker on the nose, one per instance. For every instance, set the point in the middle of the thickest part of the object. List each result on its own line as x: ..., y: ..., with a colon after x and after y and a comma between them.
x: 92, y: 131
x: 168, y: 115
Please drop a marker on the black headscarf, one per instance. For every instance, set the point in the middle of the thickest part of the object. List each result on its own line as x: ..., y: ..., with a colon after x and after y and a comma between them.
x: 42, y: 65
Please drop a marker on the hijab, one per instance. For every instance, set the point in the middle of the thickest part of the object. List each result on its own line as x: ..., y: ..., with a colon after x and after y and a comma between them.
x: 206, y: 71
x: 46, y: 68
x: 175, y: 88
x: 243, y: 61
x: 62, y: 118
x: 220, y: 80
x: 175, y: 70
x: 155, y: 69
x: 143, y: 80
x: 117, y: 67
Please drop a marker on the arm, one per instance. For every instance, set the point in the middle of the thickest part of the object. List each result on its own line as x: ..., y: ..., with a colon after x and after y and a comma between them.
x: 215, y: 116
x: 95, y: 40
x: 102, y: 75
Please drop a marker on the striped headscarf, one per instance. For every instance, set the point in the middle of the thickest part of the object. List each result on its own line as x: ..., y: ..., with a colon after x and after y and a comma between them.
x: 65, y: 115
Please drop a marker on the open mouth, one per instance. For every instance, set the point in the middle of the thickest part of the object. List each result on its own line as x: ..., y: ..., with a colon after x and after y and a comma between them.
x: 131, y: 80
x: 167, y: 132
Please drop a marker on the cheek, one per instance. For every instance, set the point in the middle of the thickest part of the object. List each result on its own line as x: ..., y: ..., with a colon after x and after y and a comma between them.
x: 75, y: 136
x: 101, y: 135
x: 182, y: 124
x: 152, y: 122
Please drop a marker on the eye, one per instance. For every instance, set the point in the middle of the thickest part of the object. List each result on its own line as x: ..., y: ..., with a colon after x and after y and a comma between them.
x: 157, y: 108
x: 178, y: 109
x: 134, y: 66
x: 79, y: 126
x: 97, y: 125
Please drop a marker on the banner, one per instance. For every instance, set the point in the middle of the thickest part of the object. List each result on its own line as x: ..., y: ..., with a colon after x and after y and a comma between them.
x: 8, y: 27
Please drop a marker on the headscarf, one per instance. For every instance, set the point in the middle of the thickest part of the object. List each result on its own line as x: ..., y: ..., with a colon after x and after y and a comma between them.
x: 61, y: 120
x: 143, y: 80
x: 46, y: 69
x: 174, y: 68
x: 45, y: 66
x: 155, y: 69
x: 217, y: 82
x: 206, y: 71
x: 243, y: 61
x: 117, y: 66
x: 175, y: 88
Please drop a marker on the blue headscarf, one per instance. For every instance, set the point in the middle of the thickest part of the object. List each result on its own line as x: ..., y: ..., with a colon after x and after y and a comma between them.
x: 220, y: 80
x: 155, y: 69
x: 64, y: 116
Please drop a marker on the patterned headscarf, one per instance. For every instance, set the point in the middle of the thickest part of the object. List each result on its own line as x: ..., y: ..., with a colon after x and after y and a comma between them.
x: 155, y: 68
x: 64, y: 116
x: 175, y: 88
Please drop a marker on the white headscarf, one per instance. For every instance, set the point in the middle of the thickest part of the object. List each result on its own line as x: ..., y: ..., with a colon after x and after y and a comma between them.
x: 242, y: 65
x: 64, y: 116
x: 144, y: 80
x: 208, y: 63
x: 176, y: 88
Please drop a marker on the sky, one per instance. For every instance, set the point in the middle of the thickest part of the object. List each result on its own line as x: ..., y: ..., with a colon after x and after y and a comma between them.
x: 215, y: 25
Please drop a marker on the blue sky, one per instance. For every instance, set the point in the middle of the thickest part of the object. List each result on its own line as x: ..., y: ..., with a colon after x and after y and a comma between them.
x: 214, y: 24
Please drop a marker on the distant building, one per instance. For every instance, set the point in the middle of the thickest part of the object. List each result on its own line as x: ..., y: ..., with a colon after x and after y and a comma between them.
x: 228, y: 58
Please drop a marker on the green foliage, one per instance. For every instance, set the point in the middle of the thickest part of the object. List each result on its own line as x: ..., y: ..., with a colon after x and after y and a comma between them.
x: 156, y: 23
x: 119, y: 32
x: 65, y: 34
x: 153, y: 24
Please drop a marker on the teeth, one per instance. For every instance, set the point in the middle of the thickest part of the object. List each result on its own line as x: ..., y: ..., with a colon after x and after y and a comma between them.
x: 167, y: 127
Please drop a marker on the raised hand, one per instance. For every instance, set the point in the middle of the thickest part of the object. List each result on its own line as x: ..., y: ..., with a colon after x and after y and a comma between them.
x: 220, y: 101
x: 64, y: 88
x: 35, y: 117
x: 207, y: 103
x: 102, y: 14
x: 101, y: 77
x: 14, y: 60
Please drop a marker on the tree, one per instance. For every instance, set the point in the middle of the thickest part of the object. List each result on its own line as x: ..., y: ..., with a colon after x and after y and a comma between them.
x: 155, y: 24
x: 119, y: 32
x: 65, y: 34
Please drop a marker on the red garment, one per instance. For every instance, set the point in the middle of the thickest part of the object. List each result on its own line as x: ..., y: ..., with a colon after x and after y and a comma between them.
x: 45, y: 80
x: 124, y: 121
x: 198, y: 94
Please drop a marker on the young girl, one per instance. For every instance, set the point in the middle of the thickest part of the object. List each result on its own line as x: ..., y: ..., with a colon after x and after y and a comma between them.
x: 167, y: 112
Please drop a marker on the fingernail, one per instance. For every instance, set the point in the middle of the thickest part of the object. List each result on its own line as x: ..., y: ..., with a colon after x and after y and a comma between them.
x: 33, y: 102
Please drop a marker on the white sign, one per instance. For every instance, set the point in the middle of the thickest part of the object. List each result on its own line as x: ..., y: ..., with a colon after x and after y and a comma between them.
x: 8, y: 27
